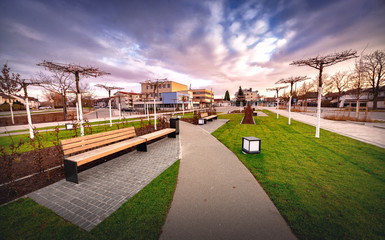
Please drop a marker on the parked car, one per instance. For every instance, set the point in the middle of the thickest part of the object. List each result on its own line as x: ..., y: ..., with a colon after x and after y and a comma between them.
x: 128, y: 109
x: 44, y: 107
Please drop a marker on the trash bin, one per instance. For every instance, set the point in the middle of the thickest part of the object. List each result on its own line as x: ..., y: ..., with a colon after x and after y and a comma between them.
x: 174, y: 123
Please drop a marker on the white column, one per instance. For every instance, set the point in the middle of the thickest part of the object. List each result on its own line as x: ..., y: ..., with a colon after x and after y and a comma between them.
x: 29, y: 119
x: 80, y: 114
x: 290, y: 111
x: 10, y: 108
x: 148, y: 113
x: 277, y: 107
x: 318, y: 112
x: 77, y: 112
x: 109, y: 104
x: 120, y: 112
x: 154, y: 114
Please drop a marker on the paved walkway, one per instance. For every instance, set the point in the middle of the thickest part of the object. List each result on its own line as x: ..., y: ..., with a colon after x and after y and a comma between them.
x: 104, y: 188
x: 217, y: 197
x: 364, y: 133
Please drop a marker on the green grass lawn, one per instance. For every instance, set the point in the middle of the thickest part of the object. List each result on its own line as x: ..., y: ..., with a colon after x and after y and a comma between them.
x: 327, y: 188
x: 48, y: 137
x: 141, y: 217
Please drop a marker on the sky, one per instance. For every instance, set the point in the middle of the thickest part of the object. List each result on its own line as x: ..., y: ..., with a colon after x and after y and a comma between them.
x: 218, y: 45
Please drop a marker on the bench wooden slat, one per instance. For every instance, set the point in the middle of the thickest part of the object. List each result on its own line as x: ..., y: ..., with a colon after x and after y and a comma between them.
x: 98, y: 138
x: 78, y: 139
x: 89, y: 156
x: 97, y: 144
x: 204, y: 115
x: 211, y: 116
x: 154, y: 135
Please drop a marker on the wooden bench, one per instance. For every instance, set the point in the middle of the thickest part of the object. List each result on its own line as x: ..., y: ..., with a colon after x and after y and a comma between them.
x: 103, y: 144
x: 206, y: 117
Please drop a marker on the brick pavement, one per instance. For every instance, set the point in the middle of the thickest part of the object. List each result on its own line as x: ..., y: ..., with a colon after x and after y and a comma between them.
x: 104, y: 188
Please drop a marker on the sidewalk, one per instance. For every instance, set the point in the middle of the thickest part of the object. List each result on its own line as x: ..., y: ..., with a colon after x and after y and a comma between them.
x: 363, y: 133
x: 217, y: 197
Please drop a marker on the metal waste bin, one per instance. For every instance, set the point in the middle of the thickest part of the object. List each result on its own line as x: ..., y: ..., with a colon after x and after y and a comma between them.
x: 174, y: 123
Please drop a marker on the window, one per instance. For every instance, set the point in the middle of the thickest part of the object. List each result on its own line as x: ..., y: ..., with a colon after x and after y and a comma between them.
x: 164, y: 86
x: 168, y: 85
x: 151, y: 95
x: 147, y: 87
x: 151, y: 86
x: 160, y: 94
x: 156, y: 94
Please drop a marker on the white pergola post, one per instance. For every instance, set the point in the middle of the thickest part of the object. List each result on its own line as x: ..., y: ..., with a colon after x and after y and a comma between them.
x: 318, y: 112
x: 10, y: 108
x: 277, y: 106
x: 290, y: 110
x: 154, y: 114
x: 148, y: 113
x: 29, y: 119
x: 80, y: 114
x: 77, y: 111
x: 109, y: 104
x: 120, y: 112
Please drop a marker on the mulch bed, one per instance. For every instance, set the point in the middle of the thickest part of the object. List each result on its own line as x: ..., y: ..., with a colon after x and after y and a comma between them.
x: 26, y: 166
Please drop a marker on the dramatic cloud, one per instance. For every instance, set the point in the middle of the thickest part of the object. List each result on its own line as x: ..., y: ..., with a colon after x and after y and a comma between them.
x: 212, y: 44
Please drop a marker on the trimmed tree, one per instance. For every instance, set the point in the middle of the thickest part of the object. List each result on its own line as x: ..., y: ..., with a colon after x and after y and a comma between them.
x: 227, y: 96
x: 374, y: 67
x: 291, y: 80
x: 240, y: 97
x: 319, y: 63
x: 9, y: 85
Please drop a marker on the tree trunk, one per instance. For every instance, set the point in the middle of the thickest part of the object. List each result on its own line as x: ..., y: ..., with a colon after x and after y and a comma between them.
x: 64, y: 107
x: 375, y: 97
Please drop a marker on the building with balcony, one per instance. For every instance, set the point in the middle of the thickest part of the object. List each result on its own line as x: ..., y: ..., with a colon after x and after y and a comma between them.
x: 250, y: 95
x: 151, y: 90
x: 203, y: 97
x: 126, y: 99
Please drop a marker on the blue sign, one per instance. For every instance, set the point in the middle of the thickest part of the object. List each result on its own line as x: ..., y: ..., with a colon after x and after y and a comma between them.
x: 294, y: 100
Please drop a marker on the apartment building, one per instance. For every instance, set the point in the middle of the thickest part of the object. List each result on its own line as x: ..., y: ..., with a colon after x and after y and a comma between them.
x: 250, y: 95
x: 149, y: 87
x: 203, y: 97
x: 126, y: 99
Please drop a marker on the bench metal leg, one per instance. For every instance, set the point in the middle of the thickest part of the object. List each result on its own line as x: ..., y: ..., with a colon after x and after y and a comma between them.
x: 210, y: 119
x: 71, y: 171
x: 142, y: 147
x: 172, y: 135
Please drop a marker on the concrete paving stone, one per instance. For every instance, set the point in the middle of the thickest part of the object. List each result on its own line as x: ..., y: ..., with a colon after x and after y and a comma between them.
x: 104, y: 188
